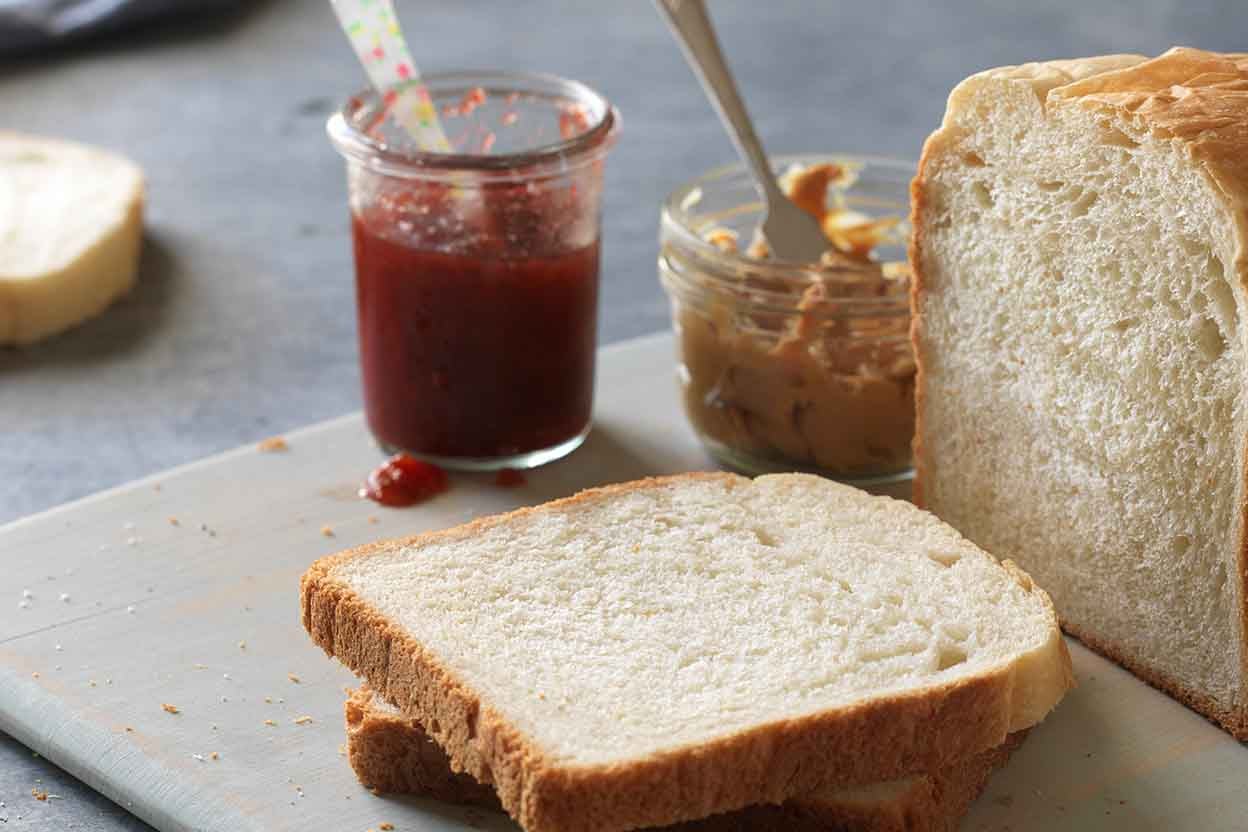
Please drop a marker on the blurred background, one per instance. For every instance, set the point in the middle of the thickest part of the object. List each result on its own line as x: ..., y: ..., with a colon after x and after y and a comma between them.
x: 242, y: 323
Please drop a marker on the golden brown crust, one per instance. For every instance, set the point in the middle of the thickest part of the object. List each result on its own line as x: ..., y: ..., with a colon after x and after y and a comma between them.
x: 393, y: 753
x: 1199, y: 98
x: 918, y: 293
x: 878, y: 740
x: 1234, y: 721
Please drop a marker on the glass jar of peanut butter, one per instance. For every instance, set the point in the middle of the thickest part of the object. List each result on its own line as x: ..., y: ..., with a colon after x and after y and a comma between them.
x: 796, y: 366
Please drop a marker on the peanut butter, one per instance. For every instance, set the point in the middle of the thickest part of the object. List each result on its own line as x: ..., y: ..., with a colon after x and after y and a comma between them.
x: 829, y: 385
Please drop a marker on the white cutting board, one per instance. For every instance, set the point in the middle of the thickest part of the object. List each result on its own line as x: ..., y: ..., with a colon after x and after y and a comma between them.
x: 204, y: 616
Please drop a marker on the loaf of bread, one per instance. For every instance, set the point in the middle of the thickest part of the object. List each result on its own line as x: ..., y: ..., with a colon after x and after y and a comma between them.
x: 71, y: 226
x: 1080, y: 259
x: 665, y: 650
x: 393, y: 754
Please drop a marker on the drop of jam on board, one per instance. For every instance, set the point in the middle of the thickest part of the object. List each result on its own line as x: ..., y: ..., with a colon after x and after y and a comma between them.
x: 402, y: 480
x: 509, y: 478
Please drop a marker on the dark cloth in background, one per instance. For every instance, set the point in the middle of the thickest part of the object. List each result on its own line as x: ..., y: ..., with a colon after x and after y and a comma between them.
x: 30, y: 25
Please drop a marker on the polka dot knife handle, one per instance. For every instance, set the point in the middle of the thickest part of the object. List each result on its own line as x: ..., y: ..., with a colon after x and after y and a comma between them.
x: 374, y: 32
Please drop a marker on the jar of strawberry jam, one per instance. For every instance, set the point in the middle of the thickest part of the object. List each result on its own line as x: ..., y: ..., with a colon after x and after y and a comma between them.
x: 477, y: 269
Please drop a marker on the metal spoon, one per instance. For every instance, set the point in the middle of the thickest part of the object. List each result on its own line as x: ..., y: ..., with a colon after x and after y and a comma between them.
x: 791, y: 233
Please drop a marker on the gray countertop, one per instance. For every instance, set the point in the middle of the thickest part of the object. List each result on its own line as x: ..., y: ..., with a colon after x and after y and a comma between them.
x: 242, y: 324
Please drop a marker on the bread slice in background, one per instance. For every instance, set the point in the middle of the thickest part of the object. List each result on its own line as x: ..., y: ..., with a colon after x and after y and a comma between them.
x: 71, y: 227
x: 1079, y: 323
x: 667, y: 649
x: 393, y: 754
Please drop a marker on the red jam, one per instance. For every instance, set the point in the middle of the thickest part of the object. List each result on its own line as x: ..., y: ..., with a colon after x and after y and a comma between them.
x: 403, y: 480
x: 479, y: 344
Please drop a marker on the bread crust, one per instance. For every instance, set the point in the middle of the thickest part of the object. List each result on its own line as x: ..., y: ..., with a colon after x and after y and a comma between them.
x: 884, y: 739
x: 1230, y: 719
x: 1198, y: 98
x: 392, y: 753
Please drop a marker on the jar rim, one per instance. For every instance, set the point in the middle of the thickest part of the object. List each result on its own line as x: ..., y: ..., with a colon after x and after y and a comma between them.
x: 588, y: 146
x: 676, y: 219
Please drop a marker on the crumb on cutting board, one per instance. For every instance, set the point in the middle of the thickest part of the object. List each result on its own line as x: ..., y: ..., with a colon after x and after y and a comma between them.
x: 302, y: 720
x: 169, y: 709
x: 327, y: 530
x: 292, y: 677
x: 273, y: 444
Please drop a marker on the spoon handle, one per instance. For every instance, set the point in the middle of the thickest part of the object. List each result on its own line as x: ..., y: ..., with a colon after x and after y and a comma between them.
x: 689, y: 21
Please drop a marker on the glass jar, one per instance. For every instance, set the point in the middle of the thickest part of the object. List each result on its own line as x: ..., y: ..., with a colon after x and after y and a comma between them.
x: 477, y: 269
x: 793, y: 366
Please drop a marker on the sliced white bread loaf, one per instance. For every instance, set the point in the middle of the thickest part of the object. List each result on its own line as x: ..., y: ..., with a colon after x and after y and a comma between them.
x: 71, y: 226
x: 1079, y: 322
x: 393, y: 754
x: 667, y: 649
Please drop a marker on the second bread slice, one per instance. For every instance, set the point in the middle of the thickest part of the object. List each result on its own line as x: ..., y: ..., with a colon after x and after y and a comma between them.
x: 664, y: 650
x: 393, y: 754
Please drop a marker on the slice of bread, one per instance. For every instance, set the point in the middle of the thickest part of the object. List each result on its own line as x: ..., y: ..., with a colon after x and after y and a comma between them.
x: 667, y: 649
x: 1079, y: 323
x: 71, y: 226
x: 393, y: 754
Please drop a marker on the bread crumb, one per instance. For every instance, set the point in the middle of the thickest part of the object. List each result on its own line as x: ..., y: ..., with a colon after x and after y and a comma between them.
x: 214, y: 756
x: 302, y: 720
x: 129, y: 729
x: 173, y: 521
x: 268, y: 700
x: 169, y: 709
x: 273, y: 444
x: 90, y: 683
x: 270, y: 723
x: 292, y: 677
x: 34, y: 675
x: 386, y: 827
x: 373, y: 519
x: 39, y: 794
x: 342, y: 751
x: 242, y: 645
x: 327, y: 530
